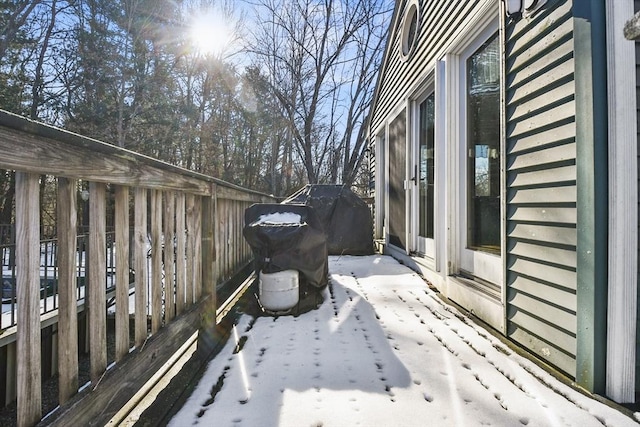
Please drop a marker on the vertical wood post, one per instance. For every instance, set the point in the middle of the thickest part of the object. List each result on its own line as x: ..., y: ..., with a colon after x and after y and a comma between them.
x: 216, y: 236
x: 67, y: 282
x: 122, y: 271
x: 28, y: 297
x: 190, y: 270
x: 169, y: 255
x: 197, y: 248
x: 156, y: 258
x: 140, y: 242
x: 180, y: 253
x: 97, y: 278
x: 208, y: 257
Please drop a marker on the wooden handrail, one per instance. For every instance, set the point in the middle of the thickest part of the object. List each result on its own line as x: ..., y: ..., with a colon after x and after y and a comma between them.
x: 194, y: 232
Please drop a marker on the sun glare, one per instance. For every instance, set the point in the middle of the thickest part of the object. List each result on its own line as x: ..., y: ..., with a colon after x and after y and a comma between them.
x: 210, y: 35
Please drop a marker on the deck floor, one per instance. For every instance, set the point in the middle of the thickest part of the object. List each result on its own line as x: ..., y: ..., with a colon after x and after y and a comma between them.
x: 382, y: 350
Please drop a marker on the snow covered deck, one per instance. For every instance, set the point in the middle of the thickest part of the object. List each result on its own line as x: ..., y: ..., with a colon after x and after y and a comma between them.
x: 383, y: 350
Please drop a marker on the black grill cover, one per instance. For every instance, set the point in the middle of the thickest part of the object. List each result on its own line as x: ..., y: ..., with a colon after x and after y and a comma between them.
x: 298, y: 246
x: 346, y: 218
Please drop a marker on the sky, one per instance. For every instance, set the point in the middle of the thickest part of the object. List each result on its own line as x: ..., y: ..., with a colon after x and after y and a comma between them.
x: 382, y: 350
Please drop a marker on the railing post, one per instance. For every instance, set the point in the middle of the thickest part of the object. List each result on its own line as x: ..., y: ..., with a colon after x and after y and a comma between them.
x: 140, y: 233
x: 95, y: 288
x: 28, y: 297
x: 208, y: 256
x: 67, y: 280
x: 156, y: 258
x: 122, y: 271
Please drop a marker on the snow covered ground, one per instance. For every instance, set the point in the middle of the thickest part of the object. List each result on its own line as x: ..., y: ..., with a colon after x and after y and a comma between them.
x: 383, y: 350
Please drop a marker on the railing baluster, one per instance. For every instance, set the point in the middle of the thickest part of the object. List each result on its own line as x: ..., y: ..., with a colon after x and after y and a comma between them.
x: 67, y: 278
x: 96, y: 287
x: 208, y: 284
x: 156, y: 257
x: 28, y: 284
x: 140, y: 233
x: 169, y: 256
x: 189, y: 284
x: 180, y: 253
x: 197, y: 248
x: 122, y: 271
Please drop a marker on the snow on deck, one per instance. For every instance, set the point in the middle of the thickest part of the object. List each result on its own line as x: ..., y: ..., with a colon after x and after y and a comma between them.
x: 383, y: 350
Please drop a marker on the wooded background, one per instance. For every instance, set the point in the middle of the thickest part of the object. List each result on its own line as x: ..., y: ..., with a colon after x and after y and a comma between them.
x: 281, y: 104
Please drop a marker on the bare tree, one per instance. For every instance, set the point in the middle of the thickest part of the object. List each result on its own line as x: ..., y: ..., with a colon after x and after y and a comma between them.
x: 322, y: 57
x: 16, y: 16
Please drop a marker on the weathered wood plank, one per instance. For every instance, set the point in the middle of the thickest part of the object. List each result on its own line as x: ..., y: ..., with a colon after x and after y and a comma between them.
x: 180, y: 253
x: 122, y: 382
x: 97, y: 306
x: 67, y: 280
x: 156, y: 260
x: 190, y: 246
x: 216, y: 237
x: 60, y: 158
x: 28, y: 298
x: 197, y: 248
x: 169, y: 255
x: 208, y: 257
x: 122, y: 270
x: 140, y: 242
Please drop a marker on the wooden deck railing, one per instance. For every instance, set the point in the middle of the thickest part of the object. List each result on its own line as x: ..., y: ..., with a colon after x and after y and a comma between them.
x: 187, y: 237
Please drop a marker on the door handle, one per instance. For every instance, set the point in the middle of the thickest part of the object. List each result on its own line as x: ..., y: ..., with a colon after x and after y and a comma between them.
x: 415, y: 175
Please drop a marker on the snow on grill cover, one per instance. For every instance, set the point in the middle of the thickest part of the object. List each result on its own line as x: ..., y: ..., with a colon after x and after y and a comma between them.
x: 346, y: 218
x: 288, y: 237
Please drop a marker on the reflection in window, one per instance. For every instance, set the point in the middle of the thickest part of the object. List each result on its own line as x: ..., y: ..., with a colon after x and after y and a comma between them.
x: 426, y: 166
x: 483, y: 139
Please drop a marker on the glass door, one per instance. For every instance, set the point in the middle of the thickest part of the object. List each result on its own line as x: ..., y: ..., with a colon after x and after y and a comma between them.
x: 397, y: 181
x: 480, y: 162
x: 424, y: 175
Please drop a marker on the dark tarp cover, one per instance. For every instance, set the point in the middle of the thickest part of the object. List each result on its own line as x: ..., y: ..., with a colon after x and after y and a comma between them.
x: 288, y: 246
x: 345, y: 217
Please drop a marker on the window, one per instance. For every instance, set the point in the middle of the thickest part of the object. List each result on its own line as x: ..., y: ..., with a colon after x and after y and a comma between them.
x: 426, y: 156
x: 409, y: 34
x: 483, y: 147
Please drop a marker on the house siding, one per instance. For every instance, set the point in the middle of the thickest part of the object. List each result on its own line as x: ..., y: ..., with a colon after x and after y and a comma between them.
x: 541, y: 194
x: 439, y: 23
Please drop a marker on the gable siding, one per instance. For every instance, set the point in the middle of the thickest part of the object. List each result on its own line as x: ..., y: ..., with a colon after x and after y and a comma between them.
x: 440, y: 22
x: 541, y: 185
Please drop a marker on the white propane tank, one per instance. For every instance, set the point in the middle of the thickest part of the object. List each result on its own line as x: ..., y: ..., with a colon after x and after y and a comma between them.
x: 278, y: 291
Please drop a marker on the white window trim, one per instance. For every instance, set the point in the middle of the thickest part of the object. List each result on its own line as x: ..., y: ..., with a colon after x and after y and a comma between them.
x: 455, y: 156
x: 623, y: 206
